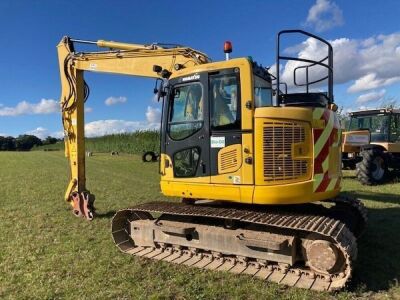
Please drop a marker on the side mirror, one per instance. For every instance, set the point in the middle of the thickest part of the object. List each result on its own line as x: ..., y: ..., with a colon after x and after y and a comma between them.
x: 159, y: 89
x: 155, y: 90
x: 161, y: 92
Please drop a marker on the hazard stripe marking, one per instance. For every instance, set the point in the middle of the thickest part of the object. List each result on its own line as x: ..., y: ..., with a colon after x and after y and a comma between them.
x: 332, y: 184
x: 324, y: 136
x: 324, y: 139
x: 324, y: 184
x: 317, y: 181
x: 317, y: 113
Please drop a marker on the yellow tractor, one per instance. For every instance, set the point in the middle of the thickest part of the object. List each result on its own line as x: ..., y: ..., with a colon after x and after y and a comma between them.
x: 258, y: 169
x: 372, y: 144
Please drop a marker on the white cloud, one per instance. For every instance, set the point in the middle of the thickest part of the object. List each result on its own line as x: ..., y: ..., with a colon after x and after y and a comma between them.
x: 88, y: 109
x: 324, y: 15
x: 345, y: 53
x: 104, y: 127
x: 371, y: 97
x: 372, y: 63
x: 370, y: 81
x: 43, y: 133
x: 115, y: 100
x: 44, y: 106
x: 153, y: 115
x: 58, y: 134
x: 40, y: 132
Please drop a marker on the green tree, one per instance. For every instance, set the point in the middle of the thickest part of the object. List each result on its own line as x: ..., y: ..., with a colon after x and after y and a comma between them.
x: 25, y: 142
x: 343, y: 117
x: 7, y: 143
x: 49, y: 140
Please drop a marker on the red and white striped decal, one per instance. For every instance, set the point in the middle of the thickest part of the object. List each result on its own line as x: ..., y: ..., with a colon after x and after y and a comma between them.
x: 325, y: 138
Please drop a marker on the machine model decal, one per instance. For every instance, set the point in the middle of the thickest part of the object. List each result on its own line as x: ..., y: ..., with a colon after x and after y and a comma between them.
x: 217, y: 142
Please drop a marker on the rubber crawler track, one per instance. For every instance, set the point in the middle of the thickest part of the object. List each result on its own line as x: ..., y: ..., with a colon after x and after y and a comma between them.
x: 302, y: 221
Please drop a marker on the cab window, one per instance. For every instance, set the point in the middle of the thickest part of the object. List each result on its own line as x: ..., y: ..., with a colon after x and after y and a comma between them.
x: 225, y: 101
x: 378, y: 125
x: 262, y: 92
x: 186, y: 113
x: 395, y: 129
x: 186, y: 162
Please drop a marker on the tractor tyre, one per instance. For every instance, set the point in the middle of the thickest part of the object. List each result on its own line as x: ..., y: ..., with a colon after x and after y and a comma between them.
x: 149, y: 156
x: 373, y: 169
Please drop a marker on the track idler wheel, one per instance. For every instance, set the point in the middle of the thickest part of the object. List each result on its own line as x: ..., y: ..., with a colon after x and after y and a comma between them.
x: 83, y: 205
x: 324, y: 257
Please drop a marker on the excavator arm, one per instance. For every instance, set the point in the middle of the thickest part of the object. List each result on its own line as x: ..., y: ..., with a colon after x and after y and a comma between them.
x: 153, y: 61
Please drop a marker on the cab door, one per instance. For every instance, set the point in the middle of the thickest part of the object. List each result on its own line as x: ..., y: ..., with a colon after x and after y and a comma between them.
x: 186, y: 138
x: 231, y: 127
x: 225, y: 125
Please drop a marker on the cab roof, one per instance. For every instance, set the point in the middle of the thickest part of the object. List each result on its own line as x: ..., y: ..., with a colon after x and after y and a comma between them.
x: 375, y: 112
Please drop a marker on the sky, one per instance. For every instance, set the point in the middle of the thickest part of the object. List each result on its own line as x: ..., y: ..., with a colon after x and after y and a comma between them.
x: 365, y: 36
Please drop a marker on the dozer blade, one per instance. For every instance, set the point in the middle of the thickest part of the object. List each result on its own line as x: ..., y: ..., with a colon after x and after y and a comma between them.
x: 303, y: 246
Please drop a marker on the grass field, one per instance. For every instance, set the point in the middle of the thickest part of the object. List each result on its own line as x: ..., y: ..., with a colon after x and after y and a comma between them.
x: 47, y: 253
x: 136, y: 142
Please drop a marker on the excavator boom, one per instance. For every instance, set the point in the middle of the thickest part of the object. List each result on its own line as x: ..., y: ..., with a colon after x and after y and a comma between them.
x: 153, y: 61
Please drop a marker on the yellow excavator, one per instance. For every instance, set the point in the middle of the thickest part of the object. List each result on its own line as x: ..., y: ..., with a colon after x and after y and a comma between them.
x: 258, y: 168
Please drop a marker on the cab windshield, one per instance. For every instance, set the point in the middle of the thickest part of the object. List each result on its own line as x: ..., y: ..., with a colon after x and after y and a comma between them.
x: 186, y: 110
x: 378, y: 125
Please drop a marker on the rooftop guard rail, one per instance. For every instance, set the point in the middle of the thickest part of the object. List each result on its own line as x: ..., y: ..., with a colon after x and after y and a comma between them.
x: 311, y: 63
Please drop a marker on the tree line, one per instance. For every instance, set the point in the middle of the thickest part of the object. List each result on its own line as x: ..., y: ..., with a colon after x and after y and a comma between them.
x: 24, y: 142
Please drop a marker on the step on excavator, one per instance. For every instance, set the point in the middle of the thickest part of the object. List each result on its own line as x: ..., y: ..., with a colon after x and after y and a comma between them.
x: 258, y: 167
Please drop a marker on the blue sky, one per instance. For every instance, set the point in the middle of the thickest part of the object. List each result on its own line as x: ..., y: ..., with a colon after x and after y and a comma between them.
x: 365, y: 35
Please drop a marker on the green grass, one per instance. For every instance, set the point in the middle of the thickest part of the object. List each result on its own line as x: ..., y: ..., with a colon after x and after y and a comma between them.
x: 46, y: 252
x: 133, y: 143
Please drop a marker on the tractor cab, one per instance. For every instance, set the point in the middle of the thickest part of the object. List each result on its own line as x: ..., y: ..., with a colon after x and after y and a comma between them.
x: 383, y: 125
x: 372, y: 144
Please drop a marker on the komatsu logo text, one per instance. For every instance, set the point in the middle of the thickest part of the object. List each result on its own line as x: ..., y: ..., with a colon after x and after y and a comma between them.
x: 193, y: 77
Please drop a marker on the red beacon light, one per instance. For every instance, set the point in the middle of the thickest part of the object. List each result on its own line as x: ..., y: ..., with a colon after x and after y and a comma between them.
x: 227, y: 49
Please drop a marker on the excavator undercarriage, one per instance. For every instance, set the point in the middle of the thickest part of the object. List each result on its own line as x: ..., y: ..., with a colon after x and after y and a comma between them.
x: 309, y: 246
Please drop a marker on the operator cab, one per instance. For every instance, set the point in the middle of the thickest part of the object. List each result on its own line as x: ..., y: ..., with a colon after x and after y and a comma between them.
x: 208, y: 124
x: 201, y: 112
x: 382, y: 124
x: 210, y: 110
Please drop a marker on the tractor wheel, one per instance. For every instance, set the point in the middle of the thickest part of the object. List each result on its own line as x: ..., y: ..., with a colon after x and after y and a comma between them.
x: 373, y: 169
x: 149, y: 156
x: 349, y: 165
